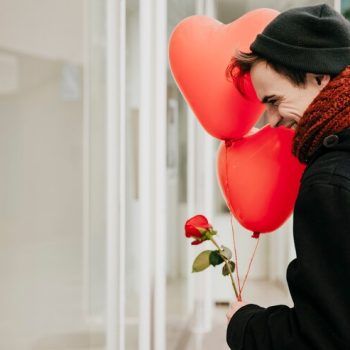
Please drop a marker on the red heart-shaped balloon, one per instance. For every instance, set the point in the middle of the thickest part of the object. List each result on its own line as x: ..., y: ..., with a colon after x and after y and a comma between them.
x: 260, y: 178
x: 200, y: 49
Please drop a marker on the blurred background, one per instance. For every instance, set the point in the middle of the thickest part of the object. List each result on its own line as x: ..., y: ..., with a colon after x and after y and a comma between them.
x: 101, y: 164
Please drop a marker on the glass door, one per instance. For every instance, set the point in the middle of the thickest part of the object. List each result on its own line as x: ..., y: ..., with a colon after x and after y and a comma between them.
x: 52, y: 161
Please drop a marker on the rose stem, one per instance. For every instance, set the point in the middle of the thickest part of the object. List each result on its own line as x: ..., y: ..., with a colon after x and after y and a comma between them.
x: 229, y: 268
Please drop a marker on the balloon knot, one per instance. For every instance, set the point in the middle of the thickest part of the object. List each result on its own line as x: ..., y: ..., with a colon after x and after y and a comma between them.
x: 228, y: 143
x: 256, y: 235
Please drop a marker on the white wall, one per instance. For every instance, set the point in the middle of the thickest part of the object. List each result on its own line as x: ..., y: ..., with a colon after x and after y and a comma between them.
x: 40, y: 207
x: 47, y: 28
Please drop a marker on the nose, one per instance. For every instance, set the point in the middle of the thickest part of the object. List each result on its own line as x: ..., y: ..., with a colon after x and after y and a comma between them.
x: 273, y: 116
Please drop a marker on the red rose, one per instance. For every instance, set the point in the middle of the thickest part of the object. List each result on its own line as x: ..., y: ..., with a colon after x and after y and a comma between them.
x: 196, y: 227
x: 199, y: 228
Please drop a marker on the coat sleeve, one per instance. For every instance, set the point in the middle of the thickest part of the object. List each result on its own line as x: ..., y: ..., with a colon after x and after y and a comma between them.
x: 254, y: 328
x: 318, y: 280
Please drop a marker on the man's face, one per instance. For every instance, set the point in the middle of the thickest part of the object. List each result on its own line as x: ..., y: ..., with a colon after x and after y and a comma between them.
x: 285, y: 102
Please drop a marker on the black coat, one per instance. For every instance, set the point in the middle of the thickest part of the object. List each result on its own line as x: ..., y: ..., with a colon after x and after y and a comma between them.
x: 319, y: 278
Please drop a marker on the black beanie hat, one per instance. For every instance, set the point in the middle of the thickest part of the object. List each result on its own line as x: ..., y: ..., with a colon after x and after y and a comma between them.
x: 314, y: 39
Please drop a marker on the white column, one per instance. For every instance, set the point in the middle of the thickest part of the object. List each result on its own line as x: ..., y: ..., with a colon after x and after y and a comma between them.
x: 204, y: 181
x: 152, y: 177
x: 115, y: 173
x: 160, y: 89
x: 211, y: 8
x: 210, y: 181
x: 200, y: 195
x: 195, y: 305
x: 200, y: 7
x: 191, y: 202
x: 337, y: 5
x: 86, y: 162
x: 122, y: 171
x: 145, y: 175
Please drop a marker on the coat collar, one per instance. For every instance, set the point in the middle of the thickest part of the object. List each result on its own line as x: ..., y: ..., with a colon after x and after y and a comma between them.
x: 339, y: 141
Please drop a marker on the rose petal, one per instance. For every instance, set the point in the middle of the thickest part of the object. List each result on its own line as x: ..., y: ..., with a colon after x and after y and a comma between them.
x: 196, y: 242
x: 199, y: 221
x: 192, y: 231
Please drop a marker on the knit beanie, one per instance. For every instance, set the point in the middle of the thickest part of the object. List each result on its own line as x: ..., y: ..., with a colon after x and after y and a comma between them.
x: 314, y: 39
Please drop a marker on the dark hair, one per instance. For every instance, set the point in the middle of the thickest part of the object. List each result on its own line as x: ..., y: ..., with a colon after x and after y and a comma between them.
x: 242, y: 62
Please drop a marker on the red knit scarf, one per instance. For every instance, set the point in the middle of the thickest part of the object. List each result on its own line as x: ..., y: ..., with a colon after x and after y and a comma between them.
x: 328, y: 113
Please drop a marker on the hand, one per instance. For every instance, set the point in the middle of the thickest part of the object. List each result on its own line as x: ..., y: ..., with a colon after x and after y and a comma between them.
x: 234, y: 308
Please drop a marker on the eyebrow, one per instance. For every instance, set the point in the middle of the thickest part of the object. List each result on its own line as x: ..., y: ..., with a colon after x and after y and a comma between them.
x: 266, y: 98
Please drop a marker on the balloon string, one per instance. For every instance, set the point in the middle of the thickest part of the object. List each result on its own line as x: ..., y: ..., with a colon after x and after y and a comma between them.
x: 251, y: 260
x: 236, y: 258
x: 228, y: 143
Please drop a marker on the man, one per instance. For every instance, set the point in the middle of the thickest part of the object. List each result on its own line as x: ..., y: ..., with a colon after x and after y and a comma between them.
x: 300, y: 68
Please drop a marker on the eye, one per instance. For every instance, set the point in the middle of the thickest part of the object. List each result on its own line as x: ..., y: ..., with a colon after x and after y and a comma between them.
x: 273, y: 103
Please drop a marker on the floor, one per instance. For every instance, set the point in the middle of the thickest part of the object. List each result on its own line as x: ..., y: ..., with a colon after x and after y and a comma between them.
x: 261, y: 292
x: 32, y: 334
x: 42, y: 304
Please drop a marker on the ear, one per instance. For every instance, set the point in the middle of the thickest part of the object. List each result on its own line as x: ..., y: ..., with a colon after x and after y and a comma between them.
x: 321, y: 80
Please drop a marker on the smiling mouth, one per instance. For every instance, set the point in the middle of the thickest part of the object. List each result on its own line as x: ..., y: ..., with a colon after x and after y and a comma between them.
x: 291, y: 125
